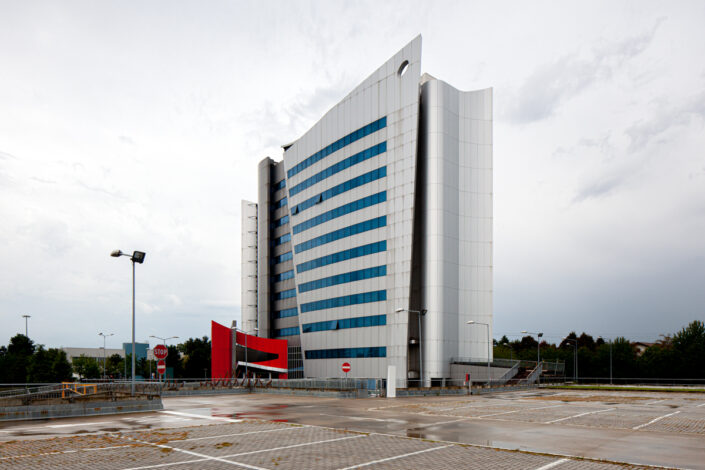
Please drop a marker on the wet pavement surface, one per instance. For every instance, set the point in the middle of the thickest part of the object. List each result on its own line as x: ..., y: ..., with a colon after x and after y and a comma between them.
x: 548, y: 428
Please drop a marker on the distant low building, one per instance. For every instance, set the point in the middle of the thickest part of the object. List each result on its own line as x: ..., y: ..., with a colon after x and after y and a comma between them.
x: 640, y: 347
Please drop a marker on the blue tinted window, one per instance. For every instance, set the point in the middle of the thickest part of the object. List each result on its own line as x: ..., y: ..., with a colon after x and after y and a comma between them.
x: 283, y: 239
x: 356, y: 252
x: 342, y: 233
x: 285, y: 294
x: 281, y: 258
x: 280, y: 221
x: 291, y: 331
x: 344, y: 353
x: 280, y: 203
x: 283, y: 276
x: 341, y: 211
x: 341, y: 188
x: 279, y: 185
x: 358, y: 322
x: 368, y: 273
x: 338, y: 167
x: 354, y: 299
x: 289, y: 312
x: 338, y: 144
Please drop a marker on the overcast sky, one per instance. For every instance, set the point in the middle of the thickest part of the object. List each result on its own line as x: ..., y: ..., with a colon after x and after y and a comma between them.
x: 139, y: 125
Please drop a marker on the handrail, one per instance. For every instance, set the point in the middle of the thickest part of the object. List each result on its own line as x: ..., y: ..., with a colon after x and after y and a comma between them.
x: 509, y: 375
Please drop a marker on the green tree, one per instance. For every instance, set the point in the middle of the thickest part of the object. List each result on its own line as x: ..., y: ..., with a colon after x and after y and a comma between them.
x: 197, y: 357
x: 114, y: 366
x: 174, y: 361
x: 49, y: 366
x: 17, y: 358
x: 689, y: 348
x: 86, y: 367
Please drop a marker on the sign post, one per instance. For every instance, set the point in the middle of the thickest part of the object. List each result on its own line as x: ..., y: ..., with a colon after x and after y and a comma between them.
x: 346, y: 368
x: 160, y: 351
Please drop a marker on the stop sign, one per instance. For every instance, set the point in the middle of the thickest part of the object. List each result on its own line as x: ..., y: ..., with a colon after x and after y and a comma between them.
x: 346, y: 367
x: 160, y: 351
x: 161, y: 367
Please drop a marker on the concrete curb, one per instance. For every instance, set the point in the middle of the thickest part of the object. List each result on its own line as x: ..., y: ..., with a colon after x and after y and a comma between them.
x: 70, y: 410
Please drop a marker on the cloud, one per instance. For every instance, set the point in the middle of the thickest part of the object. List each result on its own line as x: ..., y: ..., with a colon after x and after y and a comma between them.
x: 126, y: 140
x: 552, y: 84
x: 643, y: 132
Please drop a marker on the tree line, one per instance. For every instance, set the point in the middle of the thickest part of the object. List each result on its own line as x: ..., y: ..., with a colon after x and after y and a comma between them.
x: 22, y: 361
x: 677, y: 356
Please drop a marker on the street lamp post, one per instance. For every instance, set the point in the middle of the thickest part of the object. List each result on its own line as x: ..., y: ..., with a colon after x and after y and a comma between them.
x: 538, y: 340
x: 25, y: 324
x: 164, y: 340
x: 136, y: 257
x: 473, y: 322
x: 245, y: 333
x: 575, y: 358
x: 419, y: 314
x: 104, y: 336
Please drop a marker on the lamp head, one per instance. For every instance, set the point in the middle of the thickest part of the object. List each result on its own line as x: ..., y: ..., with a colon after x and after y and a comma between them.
x: 116, y: 253
x: 524, y: 331
x: 138, y: 256
x: 471, y: 322
x: 399, y: 310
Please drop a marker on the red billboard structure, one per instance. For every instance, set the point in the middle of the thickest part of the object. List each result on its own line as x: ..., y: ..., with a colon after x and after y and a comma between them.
x: 234, y: 352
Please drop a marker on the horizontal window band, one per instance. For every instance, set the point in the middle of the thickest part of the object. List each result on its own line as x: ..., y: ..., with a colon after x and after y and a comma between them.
x: 280, y: 221
x: 338, y: 167
x: 344, y: 255
x: 344, y: 323
x: 283, y: 276
x: 344, y: 301
x: 280, y: 185
x: 281, y: 258
x: 289, y: 312
x: 338, y: 144
x: 283, y: 239
x: 359, y: 275
x: 342, y: 233
x: 285, y: 294
x: 347, y: 353
x: 339, y: 189
x: 341, y: 211
x: 291, y: 331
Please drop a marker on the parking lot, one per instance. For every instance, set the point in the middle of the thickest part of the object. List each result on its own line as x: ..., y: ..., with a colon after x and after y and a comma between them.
x: 533, y: 429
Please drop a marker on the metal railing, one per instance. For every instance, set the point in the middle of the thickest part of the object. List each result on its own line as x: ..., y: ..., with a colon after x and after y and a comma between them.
x: 510, y: 374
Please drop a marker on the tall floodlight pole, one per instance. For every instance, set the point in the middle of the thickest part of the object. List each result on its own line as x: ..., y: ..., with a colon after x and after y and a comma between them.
x: 25, y: 324
x: 473, y: 322
x: 164, y: 340
x: 104, y: 336
x: 538, y: 349
x: 419, y: 314
x: 136, y: 257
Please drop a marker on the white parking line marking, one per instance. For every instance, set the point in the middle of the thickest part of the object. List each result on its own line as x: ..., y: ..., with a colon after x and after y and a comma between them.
x: 553, y: 464
x: 203, y: 457
x: 655, y: 419
x: 394, y: 458
x: 193, y: 415
x: 238, y: 434
x: 77, y: 424
x: 295, y: 445
x: 362, y: 418
x: 654, y: 402
x: 517, y: 411
x: 579, y: 415
x: 703, y: 404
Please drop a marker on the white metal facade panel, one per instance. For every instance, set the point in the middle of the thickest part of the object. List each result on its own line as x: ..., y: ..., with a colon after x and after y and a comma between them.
x: 248, y: 257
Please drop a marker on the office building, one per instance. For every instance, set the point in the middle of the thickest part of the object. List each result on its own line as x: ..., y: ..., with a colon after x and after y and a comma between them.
x: 381, y: 211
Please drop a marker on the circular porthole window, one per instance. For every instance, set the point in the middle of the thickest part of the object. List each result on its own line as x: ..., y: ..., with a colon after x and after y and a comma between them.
x: 403, y: 68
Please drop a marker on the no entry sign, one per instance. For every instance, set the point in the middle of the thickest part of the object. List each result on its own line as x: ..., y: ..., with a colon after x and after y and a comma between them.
x: 161, y: 367
x: 160, y: 351
x: 346, y: 367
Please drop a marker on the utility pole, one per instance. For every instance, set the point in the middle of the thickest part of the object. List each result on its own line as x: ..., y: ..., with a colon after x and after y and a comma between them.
x: 25, y: 324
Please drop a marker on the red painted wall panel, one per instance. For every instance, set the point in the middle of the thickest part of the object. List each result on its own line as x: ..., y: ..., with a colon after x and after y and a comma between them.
x: 221, y: 351
x: 274, y: 346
